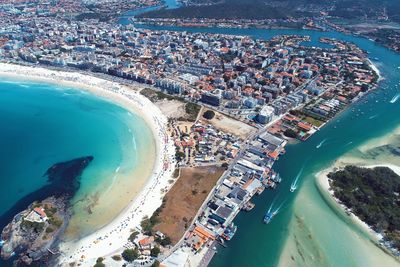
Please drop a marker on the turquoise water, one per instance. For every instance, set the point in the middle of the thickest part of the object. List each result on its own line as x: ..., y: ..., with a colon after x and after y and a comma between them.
x: 320, y: 235
x: 44, y: 124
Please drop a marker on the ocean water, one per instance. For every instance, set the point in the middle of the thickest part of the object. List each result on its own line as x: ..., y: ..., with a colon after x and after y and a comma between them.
x: 307, y: 231
x: 43, y: 124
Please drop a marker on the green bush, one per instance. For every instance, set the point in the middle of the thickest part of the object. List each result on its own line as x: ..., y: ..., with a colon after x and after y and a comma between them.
x: 55, y: 221
x: 133, y: 236
x: 116, y: 257
x: 192, y: 110
x: 38, y: 227
x: 155, y: 251
x: 166, y: 241
x: 290, y: 133
x: 209, y: 114
x: 130, y: 254
x: 49, y: 229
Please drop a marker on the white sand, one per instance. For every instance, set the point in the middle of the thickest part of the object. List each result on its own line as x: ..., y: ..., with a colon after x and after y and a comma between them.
x: 375, y: 68
x: 323, y: 183
x: 111, y: 239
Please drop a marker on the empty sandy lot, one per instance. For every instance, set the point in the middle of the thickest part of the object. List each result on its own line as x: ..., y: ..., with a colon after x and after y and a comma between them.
x: 185, y: 198
x: 229, y: 125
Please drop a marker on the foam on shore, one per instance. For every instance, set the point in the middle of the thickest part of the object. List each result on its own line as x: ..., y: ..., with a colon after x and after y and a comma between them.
x: 110, y: 239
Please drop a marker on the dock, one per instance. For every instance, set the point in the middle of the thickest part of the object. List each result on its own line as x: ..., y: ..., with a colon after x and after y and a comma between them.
x: 248, y: 206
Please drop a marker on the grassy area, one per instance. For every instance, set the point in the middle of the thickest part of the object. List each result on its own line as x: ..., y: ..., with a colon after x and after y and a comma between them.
x: 192, y: 110
x: 184, y: 199
x: 313, y: 121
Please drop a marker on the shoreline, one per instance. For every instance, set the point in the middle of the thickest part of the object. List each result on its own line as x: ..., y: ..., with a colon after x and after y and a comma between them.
x: 323, y: 186
x: 113, y: 236
x: 375, y: 69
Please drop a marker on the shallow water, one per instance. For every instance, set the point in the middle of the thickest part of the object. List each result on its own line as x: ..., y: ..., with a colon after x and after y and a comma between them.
x: 43, y: 124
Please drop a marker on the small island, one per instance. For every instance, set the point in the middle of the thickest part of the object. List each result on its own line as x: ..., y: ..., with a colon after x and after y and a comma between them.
x: 372, y: 194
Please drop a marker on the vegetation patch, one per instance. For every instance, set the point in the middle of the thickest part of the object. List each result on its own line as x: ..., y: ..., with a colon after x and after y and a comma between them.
x: 130, y: 254
x: 155, y: 96
x: 232, y: 9
x: 116, y: 257
x: 192, y: 110
x: 99, y: 262
x: 373, y: 195
x: 209, y: 114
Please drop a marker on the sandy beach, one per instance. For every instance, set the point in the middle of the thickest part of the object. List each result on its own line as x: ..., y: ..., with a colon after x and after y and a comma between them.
x: 112, y: 238
x: 323, y: 185
x: 375, y: 68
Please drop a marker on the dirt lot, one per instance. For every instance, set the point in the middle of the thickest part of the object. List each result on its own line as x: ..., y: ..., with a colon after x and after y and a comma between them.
x: 172, y: 108
x: 230, y: 125
x: 185, y: 198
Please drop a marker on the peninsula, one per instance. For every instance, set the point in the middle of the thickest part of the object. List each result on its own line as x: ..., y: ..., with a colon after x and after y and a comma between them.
x: 370, y: 195
x: 373, y: 19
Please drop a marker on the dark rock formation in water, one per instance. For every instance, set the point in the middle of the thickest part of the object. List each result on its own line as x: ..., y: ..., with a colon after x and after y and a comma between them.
x: 64, y: 176
x: 32, y: 233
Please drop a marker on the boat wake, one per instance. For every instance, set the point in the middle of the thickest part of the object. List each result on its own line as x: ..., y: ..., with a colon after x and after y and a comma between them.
x: 294, y: 184
x: 373, y: 116
x: 271, y: 212
x: 276, y: 211
x: 321, y: 143
x: 349, y: 143
x: 395, y: 98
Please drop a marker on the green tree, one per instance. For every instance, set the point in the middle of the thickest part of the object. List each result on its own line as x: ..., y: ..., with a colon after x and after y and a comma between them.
x: 290, y: 133
x: 130, y: 254
x: 180, y: 155
x: 155, y: 251
x: 99, y: 262
x: 166, y: 241
x: 133, y: 236
x: 209, y: 114
x: 116, y: 257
